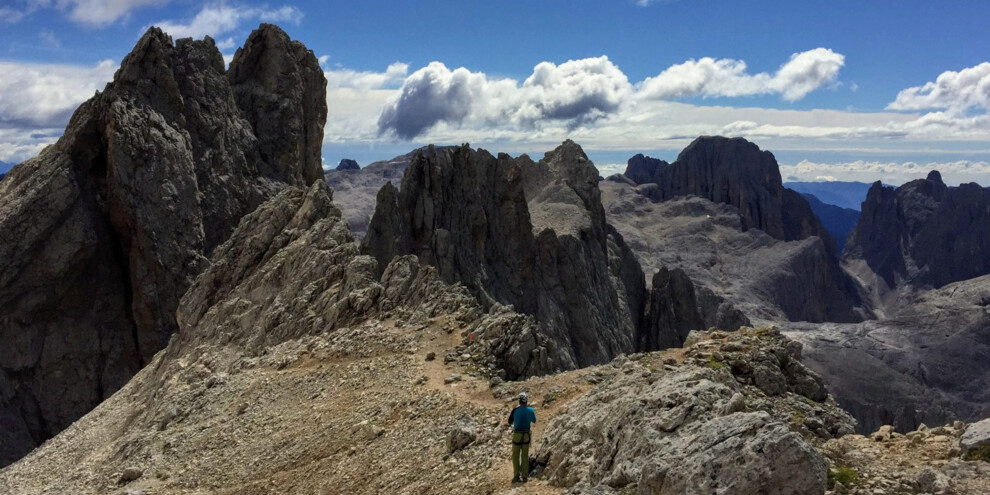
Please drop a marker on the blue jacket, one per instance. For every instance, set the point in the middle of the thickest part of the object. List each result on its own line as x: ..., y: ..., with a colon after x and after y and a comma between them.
x: 521, y: 417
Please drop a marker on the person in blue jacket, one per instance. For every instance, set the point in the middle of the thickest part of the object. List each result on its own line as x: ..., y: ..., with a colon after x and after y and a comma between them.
x: 521, y: 417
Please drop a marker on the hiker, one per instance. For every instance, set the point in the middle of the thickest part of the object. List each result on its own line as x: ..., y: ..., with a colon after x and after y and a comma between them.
x: 521, y: 417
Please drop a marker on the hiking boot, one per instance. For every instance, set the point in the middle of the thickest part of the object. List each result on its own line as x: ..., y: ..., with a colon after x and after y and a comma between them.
x: 524, y: 480
x: 516, y: 479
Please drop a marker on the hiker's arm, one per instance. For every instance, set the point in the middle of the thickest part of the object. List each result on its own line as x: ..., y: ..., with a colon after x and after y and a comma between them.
x: 509, y: 422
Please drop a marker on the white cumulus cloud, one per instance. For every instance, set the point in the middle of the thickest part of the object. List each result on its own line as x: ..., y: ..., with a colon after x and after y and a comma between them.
x: 574, y: 92
x: 366, y: 80
x: 953, y: 91
x: 45, y: 95
x: 709, y: 77
x: 101, y: 13
x: 219, y: 19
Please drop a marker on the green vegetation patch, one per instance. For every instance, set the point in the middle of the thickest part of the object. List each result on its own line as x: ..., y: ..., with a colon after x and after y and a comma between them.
x: 842, y: 474
x: 797, y: 419
x: 714, y: 364
x: 981, y: 453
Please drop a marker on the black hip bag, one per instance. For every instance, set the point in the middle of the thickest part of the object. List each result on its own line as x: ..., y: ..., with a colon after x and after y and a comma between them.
x: 524, y: 437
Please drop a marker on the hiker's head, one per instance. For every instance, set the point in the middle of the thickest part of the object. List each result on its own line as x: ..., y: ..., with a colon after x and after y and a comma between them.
x: 523, y: 398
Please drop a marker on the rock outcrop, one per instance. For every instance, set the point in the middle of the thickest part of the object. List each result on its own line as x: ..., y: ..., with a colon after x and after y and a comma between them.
x: 975, y: 441
x: 735, y: 271
x: 106, y: 229
x: 696, y: 428
x: 737, y: 173
x: 347, y: 164
x: 643, y: 169
x: 533, y: 236
x: 923, y: 234
x: 281, y: 90
x: 925, y: 364
x: 672, y: 311
x: 354, y: 191
x: 530, y: 235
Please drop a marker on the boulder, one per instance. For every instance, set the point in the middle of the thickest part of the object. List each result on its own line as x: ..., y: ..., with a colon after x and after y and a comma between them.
x: 679, y: 434
x: 975, y: 442
x: 463, y: 433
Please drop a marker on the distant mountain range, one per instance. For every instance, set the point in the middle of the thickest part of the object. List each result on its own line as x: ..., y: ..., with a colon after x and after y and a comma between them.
x: 838, y: 221
x: 845, y: 194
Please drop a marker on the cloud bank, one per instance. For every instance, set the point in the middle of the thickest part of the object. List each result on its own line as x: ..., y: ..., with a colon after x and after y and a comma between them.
x: 894, y: 173
x: 216, y: 20
x: 581, y: 92
x: 37, y: 96
x: 93, y: 13
x: 574, y: 92
x: 708, y: 77
x: 953, y: 91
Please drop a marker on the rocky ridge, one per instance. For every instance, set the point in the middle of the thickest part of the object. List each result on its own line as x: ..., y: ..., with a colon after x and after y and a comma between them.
x: 920, y: 235
x: 299, y: 369
x: 107, y: 228
x: 927, y: 362
x: 533, y: 236
x: 801, y: 278
x: 355, y: 190
x: 739, y: 275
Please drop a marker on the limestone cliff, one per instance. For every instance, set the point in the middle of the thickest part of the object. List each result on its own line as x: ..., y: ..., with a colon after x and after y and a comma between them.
x: 923, y: 234
x: 107, y: 228
x: 532, y: 235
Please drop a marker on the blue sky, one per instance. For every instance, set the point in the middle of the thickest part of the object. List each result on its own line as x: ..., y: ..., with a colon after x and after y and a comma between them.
x: 835, y: 89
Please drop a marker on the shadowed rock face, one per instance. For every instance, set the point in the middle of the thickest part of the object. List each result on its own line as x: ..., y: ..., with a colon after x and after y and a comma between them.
x: 839, y: 221
x: 737, y: 173
x: 530, y: 235
x: 923, y: 234
x: 768, y: 254
x: 925, y: 364
x: 355, y: 189
x: 106, y: 229
x: 643, y: 169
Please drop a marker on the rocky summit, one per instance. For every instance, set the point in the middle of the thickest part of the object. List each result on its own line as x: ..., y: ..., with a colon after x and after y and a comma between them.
x: 720, y: 213
x: 922, y: 234
x: 531, y: 235
x: 106, y: 229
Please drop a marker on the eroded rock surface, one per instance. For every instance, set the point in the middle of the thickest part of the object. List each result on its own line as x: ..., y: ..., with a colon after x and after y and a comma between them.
x: 712, y: 210
x: 355, y: 190
x: 532, y: 235
x: 695, y: 428
x: 106, y: 229
x: 744, y: 274
x: 736, y: 172
x: 925, y: 364
x: 922, y: 234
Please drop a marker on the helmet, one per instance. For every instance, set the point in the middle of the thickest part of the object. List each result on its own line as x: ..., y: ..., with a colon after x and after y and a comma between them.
x: 523, y: 398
